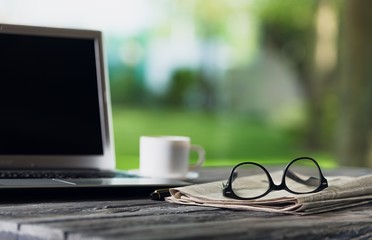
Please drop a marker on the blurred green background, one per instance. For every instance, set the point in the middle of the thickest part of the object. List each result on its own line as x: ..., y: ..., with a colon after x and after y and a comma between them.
x: 257, y: 80
x: 227, y: 139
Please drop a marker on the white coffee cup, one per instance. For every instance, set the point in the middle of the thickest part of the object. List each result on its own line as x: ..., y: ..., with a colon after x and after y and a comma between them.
x: 168, y: 156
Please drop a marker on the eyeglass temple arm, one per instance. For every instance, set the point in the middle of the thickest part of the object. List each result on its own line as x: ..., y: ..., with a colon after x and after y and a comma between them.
x: 233, y: 177
x: 311, y: 181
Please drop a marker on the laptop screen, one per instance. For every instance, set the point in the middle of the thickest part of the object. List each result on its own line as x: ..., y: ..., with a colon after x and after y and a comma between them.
x: 49, y: 99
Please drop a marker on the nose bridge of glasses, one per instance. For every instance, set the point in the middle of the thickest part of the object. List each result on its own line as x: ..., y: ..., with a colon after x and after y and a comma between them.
x: 276, y: 187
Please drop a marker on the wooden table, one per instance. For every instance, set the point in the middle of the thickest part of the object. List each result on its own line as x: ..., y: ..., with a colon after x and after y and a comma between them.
x: 141, y: 218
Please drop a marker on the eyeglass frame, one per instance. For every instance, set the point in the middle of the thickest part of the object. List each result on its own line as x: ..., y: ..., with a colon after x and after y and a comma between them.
x: 228, y: 191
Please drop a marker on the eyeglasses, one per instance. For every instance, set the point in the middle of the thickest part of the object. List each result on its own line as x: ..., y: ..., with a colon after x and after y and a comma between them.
x: 249, y: 180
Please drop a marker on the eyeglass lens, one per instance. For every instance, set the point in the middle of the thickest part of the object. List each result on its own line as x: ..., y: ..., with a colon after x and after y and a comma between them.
x: 249, y: 181
x: 302, y: 176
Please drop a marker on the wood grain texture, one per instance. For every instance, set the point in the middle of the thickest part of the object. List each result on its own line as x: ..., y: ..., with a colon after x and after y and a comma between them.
x: 147, y: 219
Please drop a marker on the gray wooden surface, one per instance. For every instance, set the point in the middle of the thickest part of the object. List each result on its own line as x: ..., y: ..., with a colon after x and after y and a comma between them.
x: 147, y: 219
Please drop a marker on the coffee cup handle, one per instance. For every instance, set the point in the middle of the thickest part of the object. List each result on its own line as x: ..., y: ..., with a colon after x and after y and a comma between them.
x: 201, y: 154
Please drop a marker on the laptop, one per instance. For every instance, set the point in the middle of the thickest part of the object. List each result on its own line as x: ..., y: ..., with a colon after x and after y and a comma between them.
x: 56, y: 125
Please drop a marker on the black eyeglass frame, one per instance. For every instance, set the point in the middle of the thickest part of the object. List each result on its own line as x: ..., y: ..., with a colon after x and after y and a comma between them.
x: 228, y: 191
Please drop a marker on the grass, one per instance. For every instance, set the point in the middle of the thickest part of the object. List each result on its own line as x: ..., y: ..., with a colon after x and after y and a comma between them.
x: 227, y: 139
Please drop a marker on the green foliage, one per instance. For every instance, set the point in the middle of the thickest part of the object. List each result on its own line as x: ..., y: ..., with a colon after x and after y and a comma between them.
x: 288, y: 25
x: 126, y: 86
x: 289, y: 15
x: 182, y: 81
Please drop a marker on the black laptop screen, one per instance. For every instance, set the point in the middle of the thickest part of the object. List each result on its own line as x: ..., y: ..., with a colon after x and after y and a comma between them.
x: 49, y: 98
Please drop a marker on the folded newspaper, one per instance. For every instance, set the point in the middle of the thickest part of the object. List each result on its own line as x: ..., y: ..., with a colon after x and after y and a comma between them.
x: 342, y: 192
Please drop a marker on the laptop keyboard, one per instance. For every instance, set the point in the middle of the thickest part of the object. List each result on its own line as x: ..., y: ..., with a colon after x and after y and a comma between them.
x: 61, y: 174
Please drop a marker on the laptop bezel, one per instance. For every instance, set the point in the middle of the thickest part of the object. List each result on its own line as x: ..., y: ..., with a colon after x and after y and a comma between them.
x: 107, y: 159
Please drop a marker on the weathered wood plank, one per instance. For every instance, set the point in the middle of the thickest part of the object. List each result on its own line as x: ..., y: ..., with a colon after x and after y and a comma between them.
x: 15, y: 217
x: 191, y: 222
x: 95, y: 220
x: 238, y: 225
x: 146, y: 219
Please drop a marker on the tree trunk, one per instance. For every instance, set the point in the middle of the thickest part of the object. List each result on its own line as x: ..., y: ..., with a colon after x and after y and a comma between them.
x: 355, y: 124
